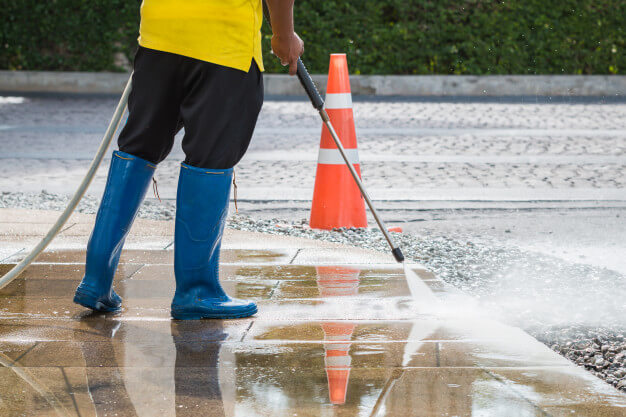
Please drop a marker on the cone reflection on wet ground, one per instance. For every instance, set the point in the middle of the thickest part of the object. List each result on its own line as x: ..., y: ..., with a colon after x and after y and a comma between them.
x: 337, y: 359
x: 335, y: 335
x: 335, y: 281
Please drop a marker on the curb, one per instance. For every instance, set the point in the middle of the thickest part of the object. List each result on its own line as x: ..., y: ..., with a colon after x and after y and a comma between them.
x: 372, y: 85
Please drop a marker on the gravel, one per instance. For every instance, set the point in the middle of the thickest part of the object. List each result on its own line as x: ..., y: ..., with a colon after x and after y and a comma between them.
x: 601, y: 350
x: 577, y: 310
x: 150, y: 209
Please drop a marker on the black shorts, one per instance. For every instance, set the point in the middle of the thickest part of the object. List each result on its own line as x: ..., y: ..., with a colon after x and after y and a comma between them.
x: 218, y: 107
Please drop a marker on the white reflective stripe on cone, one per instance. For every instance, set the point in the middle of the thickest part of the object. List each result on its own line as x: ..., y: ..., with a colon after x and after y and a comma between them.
x: 338, y: 101
x: 341, y: 361
x: 338, y: 338
x: 333, y: 156
x: 344, y: 347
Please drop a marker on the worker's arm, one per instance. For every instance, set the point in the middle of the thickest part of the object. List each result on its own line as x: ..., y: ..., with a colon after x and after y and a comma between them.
x: 286, y: 44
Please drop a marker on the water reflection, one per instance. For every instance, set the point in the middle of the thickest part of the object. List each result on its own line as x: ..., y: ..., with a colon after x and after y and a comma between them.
x: 196, y: 374
x: 335, y: 281
x: 105, y: 380
x: 189, y: 368
x: 136, y: 370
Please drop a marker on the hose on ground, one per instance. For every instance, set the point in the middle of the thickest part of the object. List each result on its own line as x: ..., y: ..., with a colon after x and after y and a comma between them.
x: 78, y: 195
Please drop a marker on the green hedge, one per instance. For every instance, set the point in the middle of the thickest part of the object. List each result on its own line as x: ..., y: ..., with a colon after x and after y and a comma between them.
x: 80, y: 35
x: 379, y: 36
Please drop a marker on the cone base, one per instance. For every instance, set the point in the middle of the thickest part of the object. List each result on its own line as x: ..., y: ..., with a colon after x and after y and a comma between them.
x: 337, y: 201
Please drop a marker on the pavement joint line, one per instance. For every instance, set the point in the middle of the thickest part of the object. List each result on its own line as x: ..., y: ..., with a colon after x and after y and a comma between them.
x: 377, y: 157
x: 448, y: 159
x: 134, y: 272
x: 81, y: 263
x: 361, y: 342
x: 12, y: 255
x: 271, y: 295
x: 70, y: 390
x: 495, y: 205
x: 361, y: 131
x: 423, y: 195
x: 458, y: 194
x: 315, y: 342
x: 619, y: 203
x: 148, y: 318
x: 504, y: 368
x: 450, y: 131
x: 84, y: 331
x: 276, y: 342
x: 508, y: 387
x: 345, y: 298
x: 331, y: 263
x: 295, y: 256
x: 16, y: 360
x: 67, y: 228
x: 252, y: 264
x: 245, y: 333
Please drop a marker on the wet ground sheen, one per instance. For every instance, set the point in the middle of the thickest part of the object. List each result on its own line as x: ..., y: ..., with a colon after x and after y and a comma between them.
x: 330, y: 339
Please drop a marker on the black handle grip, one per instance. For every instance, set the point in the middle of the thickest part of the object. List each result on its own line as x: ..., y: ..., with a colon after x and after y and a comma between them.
x: 309, y: 86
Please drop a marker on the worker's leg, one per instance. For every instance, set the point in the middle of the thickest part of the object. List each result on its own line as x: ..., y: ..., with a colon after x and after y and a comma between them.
x: 145, y: 140
x: 153, y: 105
x: 219, y: 113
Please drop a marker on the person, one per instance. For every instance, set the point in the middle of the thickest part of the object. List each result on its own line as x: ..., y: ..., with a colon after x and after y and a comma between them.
x: 198, y: 66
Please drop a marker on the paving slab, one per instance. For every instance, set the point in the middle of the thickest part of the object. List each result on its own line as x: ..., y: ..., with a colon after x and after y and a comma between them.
x: 338, y: 333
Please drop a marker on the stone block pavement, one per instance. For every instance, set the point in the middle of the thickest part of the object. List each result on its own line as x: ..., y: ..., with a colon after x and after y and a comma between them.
x: 409, y: 149
x: 340, y: 332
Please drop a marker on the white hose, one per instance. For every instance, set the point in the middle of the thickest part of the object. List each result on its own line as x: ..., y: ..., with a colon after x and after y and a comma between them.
x: 78, y: 195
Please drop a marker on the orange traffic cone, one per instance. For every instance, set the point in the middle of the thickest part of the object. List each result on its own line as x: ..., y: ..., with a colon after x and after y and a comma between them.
x: 337, y: 201
x: 337, y: 360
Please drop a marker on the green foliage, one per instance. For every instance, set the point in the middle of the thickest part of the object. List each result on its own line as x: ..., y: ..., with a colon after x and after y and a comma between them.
x: 379, y: 36
x: 80, y: 35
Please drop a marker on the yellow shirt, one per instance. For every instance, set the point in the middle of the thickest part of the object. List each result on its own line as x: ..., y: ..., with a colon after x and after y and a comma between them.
x: 224, y: 32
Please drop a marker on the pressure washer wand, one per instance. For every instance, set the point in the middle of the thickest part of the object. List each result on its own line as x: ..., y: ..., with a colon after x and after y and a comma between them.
x: 318, y: 102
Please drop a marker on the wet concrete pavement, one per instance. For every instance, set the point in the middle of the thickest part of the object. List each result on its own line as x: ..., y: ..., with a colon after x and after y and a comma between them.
x: 338, y: 333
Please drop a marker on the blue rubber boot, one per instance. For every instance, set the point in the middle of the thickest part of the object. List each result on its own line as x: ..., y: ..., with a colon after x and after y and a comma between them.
x: 201, y: 207
x: 127, y: 183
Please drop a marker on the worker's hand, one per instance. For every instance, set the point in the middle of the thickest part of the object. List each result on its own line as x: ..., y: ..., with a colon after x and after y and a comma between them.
x: 288, y: 49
